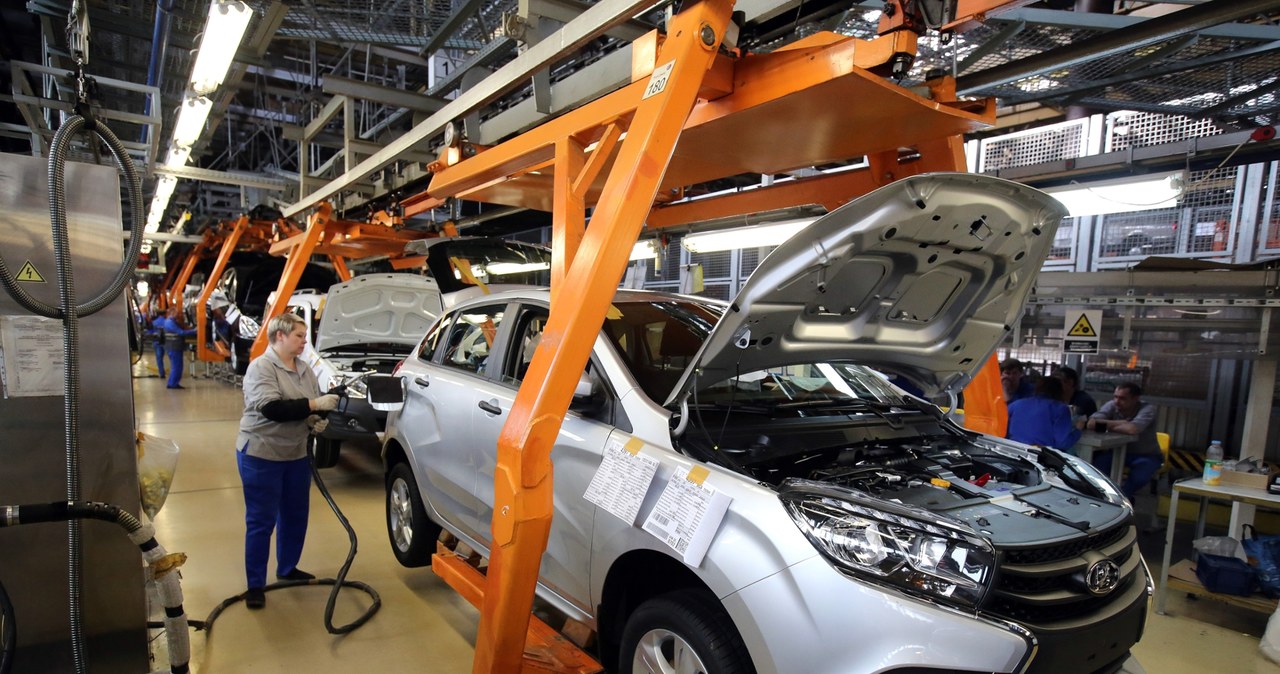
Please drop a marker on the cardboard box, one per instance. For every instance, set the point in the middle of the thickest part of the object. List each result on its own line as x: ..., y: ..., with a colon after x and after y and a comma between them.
x: 1247, y: 480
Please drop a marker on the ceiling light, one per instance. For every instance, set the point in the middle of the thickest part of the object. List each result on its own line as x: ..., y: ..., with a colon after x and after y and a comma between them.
x: 644, y: 250
x: 758, y: 236
x: 160, y: 202
x: 177, y: 156
x: 1122, y: 195
x: 192, y: 114
x: 222, y: 35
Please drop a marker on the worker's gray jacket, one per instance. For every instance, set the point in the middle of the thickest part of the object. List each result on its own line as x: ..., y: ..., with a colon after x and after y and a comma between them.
x: 266, y: 380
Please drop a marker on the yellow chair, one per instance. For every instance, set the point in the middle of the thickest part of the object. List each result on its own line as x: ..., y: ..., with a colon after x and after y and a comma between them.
x: 1162, y: 439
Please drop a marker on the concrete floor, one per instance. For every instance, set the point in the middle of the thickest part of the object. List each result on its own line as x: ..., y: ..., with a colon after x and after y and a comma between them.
x: 423, y: 624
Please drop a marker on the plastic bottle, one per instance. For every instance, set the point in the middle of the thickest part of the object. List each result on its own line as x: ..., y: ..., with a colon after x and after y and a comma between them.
x: 1213, y: 464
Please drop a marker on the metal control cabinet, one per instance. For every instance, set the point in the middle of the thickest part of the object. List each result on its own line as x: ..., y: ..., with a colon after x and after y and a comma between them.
x: 33, y: 558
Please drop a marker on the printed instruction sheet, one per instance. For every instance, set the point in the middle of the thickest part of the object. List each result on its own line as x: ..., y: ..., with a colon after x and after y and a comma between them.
x: 688, y: 514
x: 623, y: 479
x: 32, y: 357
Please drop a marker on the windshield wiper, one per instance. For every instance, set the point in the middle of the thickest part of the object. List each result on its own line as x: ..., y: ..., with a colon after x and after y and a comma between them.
x: 882, y: 410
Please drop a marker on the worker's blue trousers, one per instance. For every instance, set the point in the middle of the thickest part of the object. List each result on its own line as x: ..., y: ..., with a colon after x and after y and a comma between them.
x: 160, y: 357
x: 276, y: 496
x: 175, y: 367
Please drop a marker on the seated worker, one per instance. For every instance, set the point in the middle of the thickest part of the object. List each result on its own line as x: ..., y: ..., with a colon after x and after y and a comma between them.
x: 1127, y: 413
x: 1011, y: 379
x: 1043, y: 419
x: 1071, y: 393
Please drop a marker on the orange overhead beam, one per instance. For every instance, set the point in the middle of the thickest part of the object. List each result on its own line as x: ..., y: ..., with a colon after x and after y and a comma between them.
x: 798, y: 107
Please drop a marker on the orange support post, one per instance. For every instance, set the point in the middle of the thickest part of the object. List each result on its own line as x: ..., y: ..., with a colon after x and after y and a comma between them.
x: 174, y: 292
x: 211, y: 283
x: 523, y: 480
x: 340, y: 267
x: 299, y: 256
x: 984, y: 408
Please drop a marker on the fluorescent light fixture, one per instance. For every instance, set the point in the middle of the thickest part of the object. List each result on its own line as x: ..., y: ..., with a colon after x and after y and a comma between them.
x: 222, y: 35
x: 644, y: 250
x: 1122, y: 195
x: 192, y: 114
x: 159, y: 202
x: 757, y: 236
x: 177, y: 156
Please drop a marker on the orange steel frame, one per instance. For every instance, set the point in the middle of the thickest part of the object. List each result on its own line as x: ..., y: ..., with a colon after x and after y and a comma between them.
x: 717, y: 115
x: 338, y: 240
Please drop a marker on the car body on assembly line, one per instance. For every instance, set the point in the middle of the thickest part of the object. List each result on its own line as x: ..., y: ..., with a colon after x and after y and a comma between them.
x: 367, y: 325
x: 864, y: 530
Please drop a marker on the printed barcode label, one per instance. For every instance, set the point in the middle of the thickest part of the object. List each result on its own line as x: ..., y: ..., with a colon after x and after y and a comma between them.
x: 661, y: 519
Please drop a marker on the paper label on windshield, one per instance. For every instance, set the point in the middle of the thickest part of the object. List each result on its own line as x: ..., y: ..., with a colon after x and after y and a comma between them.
x: 687, y: 516
x: 622, y: 480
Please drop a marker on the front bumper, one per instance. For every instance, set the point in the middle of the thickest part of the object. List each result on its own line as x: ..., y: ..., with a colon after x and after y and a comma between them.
x: 811, y: 618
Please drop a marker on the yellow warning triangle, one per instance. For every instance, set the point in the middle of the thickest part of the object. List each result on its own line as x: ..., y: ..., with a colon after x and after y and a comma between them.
x: 1082, y: 328
x: 29, y: 274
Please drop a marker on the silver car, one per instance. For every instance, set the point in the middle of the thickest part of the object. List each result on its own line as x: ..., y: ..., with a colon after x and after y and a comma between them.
x: 865, y: 531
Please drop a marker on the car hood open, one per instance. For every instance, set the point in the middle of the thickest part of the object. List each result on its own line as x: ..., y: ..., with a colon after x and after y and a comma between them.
x: 921, y: 278
x: 378, y: 308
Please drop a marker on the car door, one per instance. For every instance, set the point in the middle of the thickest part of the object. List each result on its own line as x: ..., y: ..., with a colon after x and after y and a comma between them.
x: 440, y: 399
x: 577, y: 453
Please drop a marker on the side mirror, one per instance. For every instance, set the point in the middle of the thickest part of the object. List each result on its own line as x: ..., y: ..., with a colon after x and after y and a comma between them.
x: 386, y: 392
x: 585, y: 398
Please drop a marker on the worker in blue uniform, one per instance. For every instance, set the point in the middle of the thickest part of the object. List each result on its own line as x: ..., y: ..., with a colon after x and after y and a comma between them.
x: 174, y: 344
x: 156, y: 319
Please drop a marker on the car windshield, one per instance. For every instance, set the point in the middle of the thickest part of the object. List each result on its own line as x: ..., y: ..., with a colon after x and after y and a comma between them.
x: 657, y: 339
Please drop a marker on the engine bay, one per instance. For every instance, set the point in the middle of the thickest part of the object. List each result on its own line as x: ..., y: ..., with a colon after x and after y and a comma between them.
x: 1015, y: 498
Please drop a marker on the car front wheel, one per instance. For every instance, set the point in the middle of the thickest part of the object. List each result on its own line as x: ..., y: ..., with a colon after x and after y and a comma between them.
x: 326, y: 451
x: 413, y: 535
x: 684, y: 632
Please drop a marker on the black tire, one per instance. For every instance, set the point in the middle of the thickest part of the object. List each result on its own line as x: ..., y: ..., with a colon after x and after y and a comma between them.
x: 412, y: 534
x: 692, y: 618
x: 325, y: 451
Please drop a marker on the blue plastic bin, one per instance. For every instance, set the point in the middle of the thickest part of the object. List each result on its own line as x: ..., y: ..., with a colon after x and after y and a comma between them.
x: 1226, y: 575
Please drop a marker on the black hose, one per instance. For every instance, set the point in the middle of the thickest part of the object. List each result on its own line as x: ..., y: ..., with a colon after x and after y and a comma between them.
x: 337, y: 583
x: 70, y: 313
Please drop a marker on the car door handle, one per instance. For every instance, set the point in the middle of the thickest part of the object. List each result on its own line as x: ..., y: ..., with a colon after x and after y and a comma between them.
x: 490, y: 407
x: 421, y: 381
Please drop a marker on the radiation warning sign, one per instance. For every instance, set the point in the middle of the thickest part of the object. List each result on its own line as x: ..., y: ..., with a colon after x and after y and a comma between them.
x: 30, y: 274
x: 1081, y: 330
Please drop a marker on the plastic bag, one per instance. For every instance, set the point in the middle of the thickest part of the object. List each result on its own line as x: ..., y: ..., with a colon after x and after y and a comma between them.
x: 157, y: 460
x: 1270, y: 644
x: 1264, y: 556
x: 1222, y: 546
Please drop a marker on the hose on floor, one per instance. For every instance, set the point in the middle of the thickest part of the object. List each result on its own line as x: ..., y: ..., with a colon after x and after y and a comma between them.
x: 336, y: 583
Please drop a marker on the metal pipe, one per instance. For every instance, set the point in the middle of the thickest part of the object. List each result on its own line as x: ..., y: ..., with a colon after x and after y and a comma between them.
x: 1148, y: 32
x: 159, y: 45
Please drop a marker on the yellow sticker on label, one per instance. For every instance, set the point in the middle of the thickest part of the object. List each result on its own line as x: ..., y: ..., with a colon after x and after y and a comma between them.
x: 29, y: 274
x: 633, y: 446
x: 614, y: 313
x: 698, y: 474
x: 939, y: 482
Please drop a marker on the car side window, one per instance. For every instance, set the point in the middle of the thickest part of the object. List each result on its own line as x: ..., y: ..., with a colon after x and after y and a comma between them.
x: 528, y: 334
x: 471, y: 338
x: 432, y: 340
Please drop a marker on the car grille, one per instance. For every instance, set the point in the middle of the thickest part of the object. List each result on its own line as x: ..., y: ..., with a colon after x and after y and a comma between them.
x: 1043, y: 586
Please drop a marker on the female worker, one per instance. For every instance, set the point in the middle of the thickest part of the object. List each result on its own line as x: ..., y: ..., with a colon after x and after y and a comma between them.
x: 281, y: 399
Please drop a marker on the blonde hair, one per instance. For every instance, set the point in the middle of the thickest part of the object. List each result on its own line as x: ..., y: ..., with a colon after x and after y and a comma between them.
x: 283, y: 325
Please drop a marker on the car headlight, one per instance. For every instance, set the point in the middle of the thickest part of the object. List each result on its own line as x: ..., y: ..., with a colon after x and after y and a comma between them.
x: 892, y: 543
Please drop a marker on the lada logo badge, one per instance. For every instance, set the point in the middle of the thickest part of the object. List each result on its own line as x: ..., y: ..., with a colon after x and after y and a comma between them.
x: 1102, y: 577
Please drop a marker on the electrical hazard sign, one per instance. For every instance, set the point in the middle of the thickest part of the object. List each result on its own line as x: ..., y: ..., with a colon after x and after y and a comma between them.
x: 1082, y: 327
x: 30, y: 274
